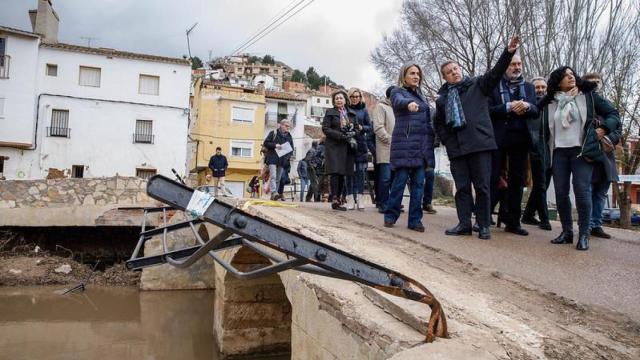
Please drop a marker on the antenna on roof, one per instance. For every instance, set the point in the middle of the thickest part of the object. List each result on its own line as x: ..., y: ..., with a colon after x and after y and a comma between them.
x: 188, y: 44
x: 89, y: 38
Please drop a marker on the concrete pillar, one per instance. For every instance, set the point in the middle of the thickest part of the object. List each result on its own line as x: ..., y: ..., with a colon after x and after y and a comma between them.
x: 250, y: 316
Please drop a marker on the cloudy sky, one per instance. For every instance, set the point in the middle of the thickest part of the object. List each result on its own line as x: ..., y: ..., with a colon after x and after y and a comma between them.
x: 334, y: 36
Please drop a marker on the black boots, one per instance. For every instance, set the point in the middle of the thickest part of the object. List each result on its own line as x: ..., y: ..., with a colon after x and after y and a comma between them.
x: 518, y: 230
x: 459, y: 230
x: 484, y: 233
x: 564, y: 238
x: 583, y: 242
x: 338, y: 206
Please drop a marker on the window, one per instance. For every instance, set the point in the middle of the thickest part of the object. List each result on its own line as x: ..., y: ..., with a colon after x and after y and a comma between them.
x: 2, y: 49
x: 2, y: 166
x: 89, y: 76
x: 144, y: 132
x: 77, y: 171
x: 52, y: 70
x: 241, y: 148
x: 145, y: 173
x: 59, y: 123
x: 327, y: 101
x: 242, y: 114
x: 318, y: 100
x: 149, y: 85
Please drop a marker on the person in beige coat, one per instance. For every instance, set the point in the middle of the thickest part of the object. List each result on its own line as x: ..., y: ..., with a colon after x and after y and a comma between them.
x: 383, y: 122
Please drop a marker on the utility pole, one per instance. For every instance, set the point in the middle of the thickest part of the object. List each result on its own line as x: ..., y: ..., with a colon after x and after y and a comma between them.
x: 188, y: 44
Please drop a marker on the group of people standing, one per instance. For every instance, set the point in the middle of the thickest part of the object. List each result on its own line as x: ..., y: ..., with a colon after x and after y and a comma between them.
x: 492, y: 126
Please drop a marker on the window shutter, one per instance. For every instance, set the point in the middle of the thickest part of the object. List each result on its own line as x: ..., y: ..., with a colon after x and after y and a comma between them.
x: 89, y: 76
x: 149, y: 85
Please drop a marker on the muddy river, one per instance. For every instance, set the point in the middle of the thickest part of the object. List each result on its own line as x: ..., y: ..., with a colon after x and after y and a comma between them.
x: 106, y: 323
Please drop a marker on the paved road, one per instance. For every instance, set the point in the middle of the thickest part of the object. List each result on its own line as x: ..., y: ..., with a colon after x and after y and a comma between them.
x: 607, y: 275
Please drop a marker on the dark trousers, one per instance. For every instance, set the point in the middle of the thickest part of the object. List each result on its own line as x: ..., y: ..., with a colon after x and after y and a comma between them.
x: 313, y: 185
x: 337, y: 186
x: 537, y: 202
x: 516, y: 160
x: 473, y: 169
x: 429, y: 180
x: 566, y: 166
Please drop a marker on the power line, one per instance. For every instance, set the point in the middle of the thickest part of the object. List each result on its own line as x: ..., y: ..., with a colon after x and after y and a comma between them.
x: 278, y: 25
x: 268, y: 24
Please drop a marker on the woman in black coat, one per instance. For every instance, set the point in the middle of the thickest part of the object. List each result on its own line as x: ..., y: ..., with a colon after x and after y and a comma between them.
x: 340, y: 145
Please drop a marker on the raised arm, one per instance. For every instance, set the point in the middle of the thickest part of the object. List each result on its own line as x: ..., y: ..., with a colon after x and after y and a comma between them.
x: 491, y: 79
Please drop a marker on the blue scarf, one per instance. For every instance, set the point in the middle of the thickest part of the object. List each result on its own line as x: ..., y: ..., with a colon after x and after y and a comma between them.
x: 454, y: 114
x: 508, y: 88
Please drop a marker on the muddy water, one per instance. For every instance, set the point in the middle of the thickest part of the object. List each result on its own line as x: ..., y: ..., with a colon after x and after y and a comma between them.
x: 106, y: 323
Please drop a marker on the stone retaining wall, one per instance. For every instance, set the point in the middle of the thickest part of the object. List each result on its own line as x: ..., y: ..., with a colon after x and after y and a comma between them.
x: 55, y: 193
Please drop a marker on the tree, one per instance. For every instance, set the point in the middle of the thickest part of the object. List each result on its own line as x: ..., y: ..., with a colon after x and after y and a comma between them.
x: 269, y: 60
x: 313, y: 79
x: 589, y: 35
x: 196, y: 63
x: 253, y: 59
x: 298, y: 76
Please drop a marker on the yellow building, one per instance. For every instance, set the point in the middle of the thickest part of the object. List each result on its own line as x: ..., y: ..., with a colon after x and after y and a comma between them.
x: 232, y: 118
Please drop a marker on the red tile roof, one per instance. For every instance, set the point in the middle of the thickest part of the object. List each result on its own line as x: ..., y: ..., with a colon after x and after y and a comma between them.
x: 280, y: 95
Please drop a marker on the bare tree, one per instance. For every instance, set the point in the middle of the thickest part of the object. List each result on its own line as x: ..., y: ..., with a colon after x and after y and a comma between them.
x: 589, y: 35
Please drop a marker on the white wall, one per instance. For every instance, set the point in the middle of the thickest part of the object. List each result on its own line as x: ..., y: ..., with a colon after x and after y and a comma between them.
x: 102, y: 119
x: 17, y: 123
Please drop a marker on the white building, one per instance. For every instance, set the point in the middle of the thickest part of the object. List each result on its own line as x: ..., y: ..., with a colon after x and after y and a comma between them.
x: 317, y: 104
x: 88, y: 111
x: 281, y: 105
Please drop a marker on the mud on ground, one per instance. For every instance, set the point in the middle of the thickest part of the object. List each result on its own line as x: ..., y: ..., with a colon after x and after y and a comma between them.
x: 24, y: 269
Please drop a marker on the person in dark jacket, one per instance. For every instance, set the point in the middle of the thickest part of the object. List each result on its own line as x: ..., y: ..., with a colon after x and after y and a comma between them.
x: 355, y: 184
x: 604, y: 173
x: 513, y: 109
x: 340, y: 146
x: 411, y: 146
x: 464, y: 127
x: 218, y: 164
x: 275, y: 140
x: 303, y: 174
x: 572, y: 137
x: 540, y: 177
x: 310, y: 158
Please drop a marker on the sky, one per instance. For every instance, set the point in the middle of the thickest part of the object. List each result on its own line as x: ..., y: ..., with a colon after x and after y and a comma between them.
x: 334, y: 36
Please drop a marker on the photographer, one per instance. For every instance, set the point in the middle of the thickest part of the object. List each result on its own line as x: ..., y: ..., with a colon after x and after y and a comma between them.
x: 340, y: 145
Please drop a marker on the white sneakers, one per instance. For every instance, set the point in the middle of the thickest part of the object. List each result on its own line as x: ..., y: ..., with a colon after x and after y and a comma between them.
x: 359, y: 202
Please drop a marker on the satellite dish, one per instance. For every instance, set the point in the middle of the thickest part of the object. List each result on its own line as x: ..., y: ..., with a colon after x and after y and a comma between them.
x: 266, y: 80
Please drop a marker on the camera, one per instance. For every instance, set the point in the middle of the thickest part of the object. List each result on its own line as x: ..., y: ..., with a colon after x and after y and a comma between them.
x: 349, y: 131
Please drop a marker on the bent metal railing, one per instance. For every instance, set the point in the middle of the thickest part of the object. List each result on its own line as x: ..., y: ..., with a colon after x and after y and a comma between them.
x: 297, y: 251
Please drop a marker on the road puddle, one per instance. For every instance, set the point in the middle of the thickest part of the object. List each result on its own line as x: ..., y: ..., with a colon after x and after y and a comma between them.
x: 106, y: 323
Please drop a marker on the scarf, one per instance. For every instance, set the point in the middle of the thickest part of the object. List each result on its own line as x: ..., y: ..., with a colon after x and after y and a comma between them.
x: 454, y: 114
x: 513, y: 87
x: 567, y: 110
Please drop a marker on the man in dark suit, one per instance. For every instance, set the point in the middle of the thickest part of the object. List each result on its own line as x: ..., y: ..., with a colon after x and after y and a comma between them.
x: 463, y: 125
x: 512, y: 106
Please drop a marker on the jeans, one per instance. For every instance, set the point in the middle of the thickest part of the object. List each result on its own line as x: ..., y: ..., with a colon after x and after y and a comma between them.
x: 303, y: 184
x: 313, y: 185
x: 474, y: 168
x: 429, y: 180
x: 400, y: 178
x: 599, y: 192
x: 566, y: 165
x: 275, y: 173
x: 355, y: 183
x: 384, y: 185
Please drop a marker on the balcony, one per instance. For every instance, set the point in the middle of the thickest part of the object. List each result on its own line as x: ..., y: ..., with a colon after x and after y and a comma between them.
x: 143, y: 138
x: 59, y: 132
x: 5, y: 61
